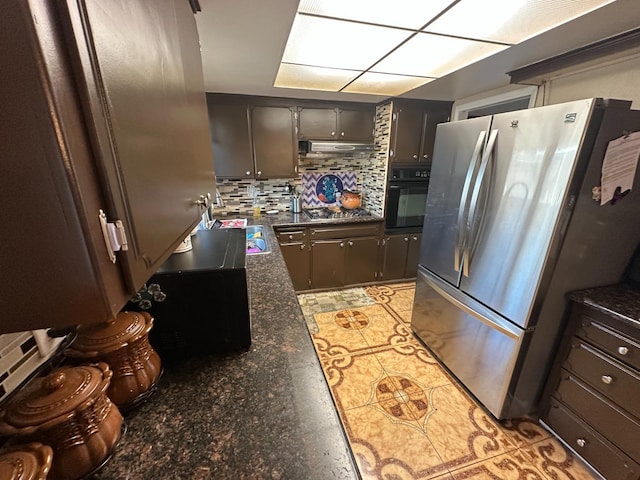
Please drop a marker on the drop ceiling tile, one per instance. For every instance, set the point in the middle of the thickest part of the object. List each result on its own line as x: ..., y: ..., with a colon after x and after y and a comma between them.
x: 429, y: 55
x: 509, y: 21
x: 398, y: 13
x: 385, y: 84
x: 313, y: 78
x: 338, y: 44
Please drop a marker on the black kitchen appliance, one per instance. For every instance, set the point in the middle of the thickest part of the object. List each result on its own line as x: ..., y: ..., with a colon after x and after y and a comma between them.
x: 199, y: 298
x: 406, y: 198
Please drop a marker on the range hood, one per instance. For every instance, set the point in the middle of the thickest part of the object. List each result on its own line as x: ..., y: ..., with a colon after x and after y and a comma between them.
x: 336, y: 148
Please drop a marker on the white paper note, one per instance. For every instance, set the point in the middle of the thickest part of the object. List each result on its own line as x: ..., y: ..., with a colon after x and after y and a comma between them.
x: 619, y: 165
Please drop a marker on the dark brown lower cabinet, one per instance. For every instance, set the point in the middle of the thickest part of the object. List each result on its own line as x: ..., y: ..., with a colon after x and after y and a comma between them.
x: 327, y: 263
x: 400, y: 256
x: 295, y: 250
x: 361, y: 262
x: 331, y: 256
x: 591, y: 398
x: 296, y: 256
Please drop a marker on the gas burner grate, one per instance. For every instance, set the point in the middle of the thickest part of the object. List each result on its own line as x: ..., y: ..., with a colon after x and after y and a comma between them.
x: 335, y: 212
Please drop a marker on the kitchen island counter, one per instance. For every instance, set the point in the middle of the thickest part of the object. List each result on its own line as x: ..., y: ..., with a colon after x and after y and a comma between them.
x: 263, y: 413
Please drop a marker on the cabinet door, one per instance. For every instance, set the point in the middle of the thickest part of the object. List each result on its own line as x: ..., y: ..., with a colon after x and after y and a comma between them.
x: 229, y: 126
x: 361, y: 260
x: 328, y: 263
x: 142, y: 86
x: 356, y: 125
x: 395, y: 257
x: 413, y: 255
x: 431, y: 121
x: 296, y: 256
x: 274, y: 146
x: 317, y: 123
x: 407, y: 134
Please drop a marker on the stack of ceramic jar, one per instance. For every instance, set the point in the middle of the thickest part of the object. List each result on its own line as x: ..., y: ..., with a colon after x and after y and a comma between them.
x: 65, y: 426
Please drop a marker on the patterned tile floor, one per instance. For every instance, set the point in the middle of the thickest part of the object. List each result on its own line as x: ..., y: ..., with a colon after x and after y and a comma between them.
x: 404, y: 416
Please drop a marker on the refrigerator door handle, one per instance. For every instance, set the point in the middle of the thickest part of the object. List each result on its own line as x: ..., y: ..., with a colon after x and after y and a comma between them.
x: 459, y: 247
x: 473, y: 205
x: 474, y: 309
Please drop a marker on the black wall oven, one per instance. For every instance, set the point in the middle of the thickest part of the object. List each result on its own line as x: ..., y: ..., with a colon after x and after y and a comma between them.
x: 406, y: 198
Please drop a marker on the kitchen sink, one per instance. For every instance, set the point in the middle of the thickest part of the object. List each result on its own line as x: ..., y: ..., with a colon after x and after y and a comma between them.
x: 257, y: 240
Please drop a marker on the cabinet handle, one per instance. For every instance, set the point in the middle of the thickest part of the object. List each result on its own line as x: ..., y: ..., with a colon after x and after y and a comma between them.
x: 415, y: 156
x: 259, y: 172
x: 623, y: 350
x: 426, y: 157
x: 415, y: 239
x: 248, y: 172
x: 581, y: 442
x: 290, y: 237
x: 341, y: 244
x: 406, y: 239
x: 350, y: 243
x: 302, y: 246
x: 606, y: 379
x: 342, y: 134
x: 333, y: 134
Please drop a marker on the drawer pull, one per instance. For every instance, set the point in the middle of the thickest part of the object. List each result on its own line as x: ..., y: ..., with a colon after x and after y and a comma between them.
x: 623, y: 350
x: 607, y: 379
x: 581, y: 442
x: 290, y: 237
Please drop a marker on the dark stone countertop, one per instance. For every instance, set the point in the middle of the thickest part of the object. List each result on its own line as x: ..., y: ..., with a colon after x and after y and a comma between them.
x: 264, y: 413
x: 621, y: 301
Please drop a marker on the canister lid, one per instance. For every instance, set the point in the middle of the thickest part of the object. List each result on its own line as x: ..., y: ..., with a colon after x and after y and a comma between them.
x: 55, y: 396
x: 100, y: 338
x: 25, y: 462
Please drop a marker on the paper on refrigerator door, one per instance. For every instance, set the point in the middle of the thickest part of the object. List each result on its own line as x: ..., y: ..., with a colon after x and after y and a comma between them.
x: 619, y: 165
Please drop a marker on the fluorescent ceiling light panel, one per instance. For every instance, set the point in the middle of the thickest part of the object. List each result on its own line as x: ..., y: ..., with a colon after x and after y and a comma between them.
x: 385, y: 84
x: 338, y: 44
x: 435, y: 56
x: 313, y: 78
x: 509, y: 21
x: 398, y: 13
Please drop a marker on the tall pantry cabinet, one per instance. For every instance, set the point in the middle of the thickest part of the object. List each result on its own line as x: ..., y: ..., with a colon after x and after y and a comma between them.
x: 104, y: 130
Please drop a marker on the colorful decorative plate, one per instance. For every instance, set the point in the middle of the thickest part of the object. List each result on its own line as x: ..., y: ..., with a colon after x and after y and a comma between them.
x: 328, y: 187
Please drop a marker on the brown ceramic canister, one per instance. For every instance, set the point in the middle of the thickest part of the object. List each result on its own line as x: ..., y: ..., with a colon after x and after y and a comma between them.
x: 70, y: 411
x: 123, y: 344
x: 25, y: 462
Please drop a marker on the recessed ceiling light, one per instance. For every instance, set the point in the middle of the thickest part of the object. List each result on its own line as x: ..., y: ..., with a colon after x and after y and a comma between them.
x: 313, y: 78
x: 384, y: 84
x: 435, y: 56
x: 338, y: 44
x: 382, y: 39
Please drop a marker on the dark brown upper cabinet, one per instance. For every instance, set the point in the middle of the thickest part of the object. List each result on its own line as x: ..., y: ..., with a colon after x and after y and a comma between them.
x: 251, y: 140
x: 413, y: 129
x: 336, y: 123
x: 231, y: 139
x: 274, y: 146
x: 103, y: 117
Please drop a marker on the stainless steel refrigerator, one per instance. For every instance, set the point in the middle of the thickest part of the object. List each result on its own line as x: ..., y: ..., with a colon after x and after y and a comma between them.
x: 510, y: 227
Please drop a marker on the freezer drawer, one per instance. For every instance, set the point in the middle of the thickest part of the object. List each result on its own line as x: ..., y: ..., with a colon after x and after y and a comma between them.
x: 478, y: 348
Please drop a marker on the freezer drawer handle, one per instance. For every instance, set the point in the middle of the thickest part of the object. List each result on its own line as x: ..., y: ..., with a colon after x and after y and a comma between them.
x: 464, y: 200
x: 502, y: 328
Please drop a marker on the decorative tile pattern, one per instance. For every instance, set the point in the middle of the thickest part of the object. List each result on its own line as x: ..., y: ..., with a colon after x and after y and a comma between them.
x: 320, y: 189
x: 404, y: 415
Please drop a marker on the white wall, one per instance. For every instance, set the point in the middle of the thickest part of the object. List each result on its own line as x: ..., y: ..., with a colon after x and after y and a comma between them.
x: 619, y: 78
